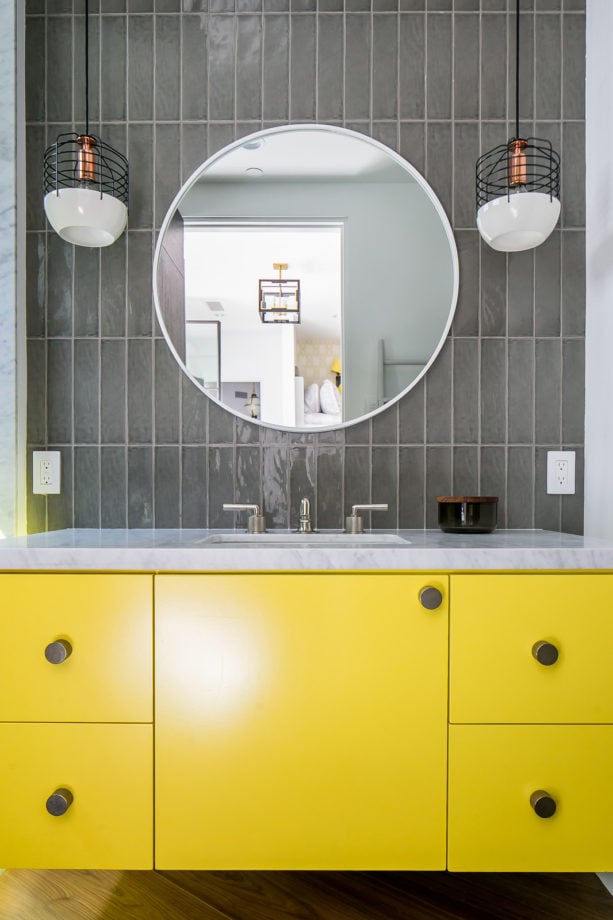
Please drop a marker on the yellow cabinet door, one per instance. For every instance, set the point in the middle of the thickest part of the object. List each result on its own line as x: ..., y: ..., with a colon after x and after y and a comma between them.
x: 497, y: 623
x: 495, y: 772
x: 108, y: 771
x: 300, y: 722
x: 106, y: 624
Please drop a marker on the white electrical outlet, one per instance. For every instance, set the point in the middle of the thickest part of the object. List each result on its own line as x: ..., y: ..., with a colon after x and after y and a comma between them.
x: 46, y: 472
x: 560, y: 472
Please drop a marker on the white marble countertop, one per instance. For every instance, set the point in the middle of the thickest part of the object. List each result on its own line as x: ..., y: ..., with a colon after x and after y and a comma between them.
x: 188, y: 550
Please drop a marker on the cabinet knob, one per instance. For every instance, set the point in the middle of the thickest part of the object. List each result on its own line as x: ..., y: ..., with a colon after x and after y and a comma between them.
x: 430, y: 598
x: 59, y: 802
x: 58, y: 651
x: 545, y: 653
x: 543, y: 804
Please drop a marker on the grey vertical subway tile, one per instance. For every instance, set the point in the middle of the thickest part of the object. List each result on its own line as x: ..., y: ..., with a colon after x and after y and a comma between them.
x: 573, y: 282
x: 357, y: 481
x: 59, y: 69
x: 466, y: 67
x: 275, y: 80
x: 86, y: 487
x: 140, y: 151
x: 112, y: 391
x: 573, y: 390
x: 493, y: 291
x: 113, y: 288
x: 521, y: 292
x: 275, y: 479
x: 466, y: 391
x: 140, y: 487
x: 438, y: 480
x: 302, y: 483
x: 168, y: 169
x: 246, y: 432
x: 438, y: 398
x: 493, y: 391
x: 413, y: 144
x: 248, y: 474
x: 548, y: 391
x: 36, y: 384
x: 493, y: 478
x: 303, y: 6
x: 275, y: 6
x: 60, y: 509
x: 357, y: 66
x: 86, y: 302
x: 384, y: 489
x: 59, y: 286
x: 411, y: 478
x: 249, y: 74
x: 465, y: 470
x: 411, y: 65
x: 167, y: 67
x: 194, y: 488
x: 386, y: 132
x: 520, y: 487
x: 140, y: 68
x: 140, y: 305
x: 221, y: 66
x: 385, y: 66
x: 193, y: 148
x: 221, y: 427
x: 167, y: 383
x: 140, y: 391
x: 329, y: 488
x: 547, y: 508
x: 439, y: 161
x: 548, y: 83
x: 248, y: 6
x: 466, y: 318
x: 466, y: 152
x: 493, y: 66
x: 411, y: 414
x: 59, y: 391
x: 521, y: 391
x: 577, y: 5
x: 36, y: 284
x: 35, y: 71
x: 167, y: 486
x: 439, y: 5
x: 359, y: 433
x: 330, y: 6
x: 194, y: 415
x: 302, y: 68
x: 334, y: 437
x: 385, y: 426
x: 438, y: 67
x: 330, y: 82
x: 573, y: 73
x: 86, y: 391
x: 35, y: 148
x: 572, y: 505
x: 113, y: 476
x: 222, y: 6
x: 573, y: 175
x: 113, y: 53
x: 547, y: 306
x: 194, y: 67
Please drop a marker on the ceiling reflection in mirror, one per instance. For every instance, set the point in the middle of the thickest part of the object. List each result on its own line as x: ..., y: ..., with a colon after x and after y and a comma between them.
x: 305, y: 277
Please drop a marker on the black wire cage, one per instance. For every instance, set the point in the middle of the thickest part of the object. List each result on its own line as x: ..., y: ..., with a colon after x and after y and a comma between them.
x: 521, y: 165
x: 85, y: 161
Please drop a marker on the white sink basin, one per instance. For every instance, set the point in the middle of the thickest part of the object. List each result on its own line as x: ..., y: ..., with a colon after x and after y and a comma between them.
x: 284, y: 538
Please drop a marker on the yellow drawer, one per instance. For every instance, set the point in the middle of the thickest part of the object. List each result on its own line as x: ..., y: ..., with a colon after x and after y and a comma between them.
x: 495, y: 623
x: 108, y: 769
x: 107, y: 621
x: 494, y: 771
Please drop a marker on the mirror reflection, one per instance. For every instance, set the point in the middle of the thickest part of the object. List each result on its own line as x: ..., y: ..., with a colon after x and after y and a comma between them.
x: 305, y: 277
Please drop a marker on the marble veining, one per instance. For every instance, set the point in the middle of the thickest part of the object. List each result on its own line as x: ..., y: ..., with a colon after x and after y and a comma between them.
x: 185, y: 550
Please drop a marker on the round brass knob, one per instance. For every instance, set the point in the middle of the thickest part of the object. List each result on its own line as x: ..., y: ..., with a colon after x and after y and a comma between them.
x: 59, y: 802
x: 58, y: 651
x: 543, y: 804
x: 430, y: 598
x: 545, y: 653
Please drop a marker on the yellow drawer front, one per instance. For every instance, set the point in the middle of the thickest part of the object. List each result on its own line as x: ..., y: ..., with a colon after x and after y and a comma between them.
x: 496, y: 622
x: 301, y: 722
x: 106, y: 621
x: 109, y: 771
x: 494, y: 771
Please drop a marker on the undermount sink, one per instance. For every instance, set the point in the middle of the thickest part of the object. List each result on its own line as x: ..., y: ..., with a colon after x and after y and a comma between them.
x: 284, y: 538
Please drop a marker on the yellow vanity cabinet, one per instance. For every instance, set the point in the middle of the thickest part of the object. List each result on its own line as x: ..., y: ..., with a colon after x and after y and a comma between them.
x: 76, y: 710
x: 301, y: 721
x: 531, y: 707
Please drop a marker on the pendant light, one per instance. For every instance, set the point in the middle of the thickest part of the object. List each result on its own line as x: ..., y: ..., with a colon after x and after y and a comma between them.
x: 86, y: 182
x: 518, y: 186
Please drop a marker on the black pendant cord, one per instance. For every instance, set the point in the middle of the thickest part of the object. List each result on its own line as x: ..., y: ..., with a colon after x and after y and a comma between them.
x: 87, y: 67
x: 517, y: 71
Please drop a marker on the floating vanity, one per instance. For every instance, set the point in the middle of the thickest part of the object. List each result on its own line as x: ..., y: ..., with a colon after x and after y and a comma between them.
x: 398, y: 700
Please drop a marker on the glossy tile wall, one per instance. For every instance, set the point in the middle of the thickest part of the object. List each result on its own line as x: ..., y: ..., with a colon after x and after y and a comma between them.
x: 141, y: 447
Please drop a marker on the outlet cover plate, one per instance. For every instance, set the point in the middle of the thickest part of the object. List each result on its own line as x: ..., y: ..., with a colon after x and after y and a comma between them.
x: 560, y: 472
x: 46, y: 472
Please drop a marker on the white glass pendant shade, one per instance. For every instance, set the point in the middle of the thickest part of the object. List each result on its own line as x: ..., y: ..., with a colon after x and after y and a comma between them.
x: 86, y: 217
x: 517, y: 221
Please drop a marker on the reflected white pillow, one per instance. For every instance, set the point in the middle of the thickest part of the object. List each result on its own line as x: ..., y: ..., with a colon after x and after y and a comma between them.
x: 311, y: 398
x: 328, y: 398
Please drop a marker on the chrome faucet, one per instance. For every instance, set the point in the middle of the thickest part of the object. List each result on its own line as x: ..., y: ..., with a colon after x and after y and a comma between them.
x: 304, y: 523
x: 256, y: 522
x: 354, y: 522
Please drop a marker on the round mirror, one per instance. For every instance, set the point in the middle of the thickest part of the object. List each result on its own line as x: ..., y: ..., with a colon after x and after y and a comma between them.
x: 305, y: 277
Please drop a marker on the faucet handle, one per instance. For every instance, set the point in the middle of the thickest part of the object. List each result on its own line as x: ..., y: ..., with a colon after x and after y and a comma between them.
x: 256, y: 522
x: 354, y: 522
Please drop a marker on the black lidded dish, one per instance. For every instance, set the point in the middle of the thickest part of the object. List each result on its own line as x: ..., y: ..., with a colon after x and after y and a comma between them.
x: 467, y: 514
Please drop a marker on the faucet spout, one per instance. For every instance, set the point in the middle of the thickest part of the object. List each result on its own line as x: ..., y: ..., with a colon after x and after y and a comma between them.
x: 304, y: 523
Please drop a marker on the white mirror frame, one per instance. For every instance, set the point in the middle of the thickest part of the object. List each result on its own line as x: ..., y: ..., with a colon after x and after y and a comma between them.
x: 196, y: 175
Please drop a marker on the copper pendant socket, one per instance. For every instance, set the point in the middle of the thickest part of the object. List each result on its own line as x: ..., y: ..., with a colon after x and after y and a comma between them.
x: 86, y: 158
x: 518, y: 164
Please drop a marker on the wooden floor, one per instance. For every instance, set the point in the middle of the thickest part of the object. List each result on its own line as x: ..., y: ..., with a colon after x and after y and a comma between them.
x: 62, y: 895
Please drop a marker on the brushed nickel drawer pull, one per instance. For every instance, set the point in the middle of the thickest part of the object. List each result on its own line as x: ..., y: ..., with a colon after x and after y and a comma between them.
x: 59, y: 802
x: 545, y: 652
x: 430, y: 598
x: 544, y: 805
x: 58, y: 651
